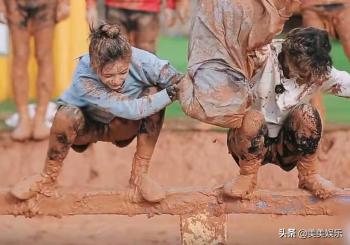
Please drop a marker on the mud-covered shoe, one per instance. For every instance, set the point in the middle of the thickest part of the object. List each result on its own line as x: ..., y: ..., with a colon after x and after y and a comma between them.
x: 30, y: 186
x: 241, y: 186
x: 317, y: 185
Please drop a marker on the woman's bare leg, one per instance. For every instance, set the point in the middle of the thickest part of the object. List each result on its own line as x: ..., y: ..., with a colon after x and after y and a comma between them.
x: 45, y: 79
x: 20, y: 82
x: 68, y: 121
x: 147, y: 138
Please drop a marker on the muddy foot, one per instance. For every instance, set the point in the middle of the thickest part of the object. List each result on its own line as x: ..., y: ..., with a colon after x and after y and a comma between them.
x: 22, y: 132
x: 148, y: 190
x: 40, y: 131
x: 317, y: 185
x: 240, y: 187
x: 30, y: 186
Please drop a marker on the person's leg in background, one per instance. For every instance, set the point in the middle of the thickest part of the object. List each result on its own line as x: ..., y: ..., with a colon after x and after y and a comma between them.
x: 342, y: 23
x: 122, y: 18
x: 45, y: 79
x: 20, y: 38
x: 312, y: 18
x: 147, y: 30
x: 38, y: 19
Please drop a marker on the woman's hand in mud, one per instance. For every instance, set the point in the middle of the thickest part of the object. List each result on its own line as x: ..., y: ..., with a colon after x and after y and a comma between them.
x: 3, y: 19
x: 92, y: 16
x: 169, y: 17
x: 173, y: 91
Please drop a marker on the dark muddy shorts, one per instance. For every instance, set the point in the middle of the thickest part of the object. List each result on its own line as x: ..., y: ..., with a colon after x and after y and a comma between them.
x: 92, y: 131
x: 37, y: 13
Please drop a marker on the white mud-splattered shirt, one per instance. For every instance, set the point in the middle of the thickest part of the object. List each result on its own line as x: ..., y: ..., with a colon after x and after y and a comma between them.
x: 276, y: 106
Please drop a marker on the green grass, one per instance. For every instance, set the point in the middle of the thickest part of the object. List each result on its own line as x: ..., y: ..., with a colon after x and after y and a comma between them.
x: 337, y: 109
x: 175, y: 50
x: 7, y: 107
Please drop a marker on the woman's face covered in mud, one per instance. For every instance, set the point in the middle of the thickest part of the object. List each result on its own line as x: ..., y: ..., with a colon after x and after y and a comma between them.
x: 113, y: 74
x: 110, y: 55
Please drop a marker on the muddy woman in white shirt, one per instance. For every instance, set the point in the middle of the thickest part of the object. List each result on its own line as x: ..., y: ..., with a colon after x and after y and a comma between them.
x: 282, y: 127
x: 238, y: 78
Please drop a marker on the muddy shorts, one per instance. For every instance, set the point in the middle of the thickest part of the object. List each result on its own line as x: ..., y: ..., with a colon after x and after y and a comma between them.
x: 93, y: 130
x: 37, y: 14
x: 144, y: 26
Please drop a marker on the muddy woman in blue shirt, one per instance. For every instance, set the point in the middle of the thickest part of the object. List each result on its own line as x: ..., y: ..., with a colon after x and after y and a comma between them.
x: 118, y: 93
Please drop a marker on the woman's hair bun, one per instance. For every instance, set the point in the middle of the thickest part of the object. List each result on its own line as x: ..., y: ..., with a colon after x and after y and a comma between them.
x: 110, y: 31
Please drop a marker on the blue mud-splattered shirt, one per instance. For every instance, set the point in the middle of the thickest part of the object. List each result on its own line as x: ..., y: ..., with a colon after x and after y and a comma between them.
x: 103, y: 104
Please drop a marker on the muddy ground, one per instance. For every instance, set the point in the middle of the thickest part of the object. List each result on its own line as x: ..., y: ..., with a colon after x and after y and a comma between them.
x: 182, y: 158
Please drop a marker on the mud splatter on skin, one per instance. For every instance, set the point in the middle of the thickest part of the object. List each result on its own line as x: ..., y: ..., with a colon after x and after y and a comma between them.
x: 304, y: 129
x: 256, y: 141
x: 246, y: 145
x: 62, y: 138
x: 67, y: 123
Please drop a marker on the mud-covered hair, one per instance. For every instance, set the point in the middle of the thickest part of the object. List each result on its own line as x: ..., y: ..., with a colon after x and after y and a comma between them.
x: 107, y: 44
x: 309, y: 48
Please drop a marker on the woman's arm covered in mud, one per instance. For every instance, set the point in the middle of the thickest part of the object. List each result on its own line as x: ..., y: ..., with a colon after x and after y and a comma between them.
x: 338, y: 84
x: 120, y: 105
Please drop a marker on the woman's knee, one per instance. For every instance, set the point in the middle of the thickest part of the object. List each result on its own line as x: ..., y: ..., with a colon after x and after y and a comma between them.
x: 68, y: 118
x: 248, y: 141
x: 44, y: 59
x: 304, y: 128
x: 253, y: 123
